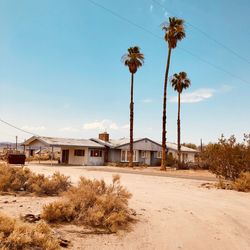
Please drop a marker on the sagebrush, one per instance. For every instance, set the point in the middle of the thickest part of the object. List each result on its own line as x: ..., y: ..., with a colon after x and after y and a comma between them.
x: 14, y: 179
x: 242, y: 183
x: 228, y: 158
x: 92, y: 203
x: 15, y: 234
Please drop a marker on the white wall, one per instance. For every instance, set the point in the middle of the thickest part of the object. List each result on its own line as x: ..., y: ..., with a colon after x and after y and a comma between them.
x: 77, y: 160
x: 85, y: 160
x: 190, y: 156
x: 143, y: 145
x: 36, y: 144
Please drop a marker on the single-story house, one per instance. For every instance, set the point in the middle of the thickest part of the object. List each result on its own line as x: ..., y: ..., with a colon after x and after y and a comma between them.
x: 101, y: 150
x: 187, y: 154
x: 73, y: 151
x: 146, y: 151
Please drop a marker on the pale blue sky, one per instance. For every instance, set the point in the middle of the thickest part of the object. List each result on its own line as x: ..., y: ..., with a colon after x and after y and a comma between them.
x: 61, y: 72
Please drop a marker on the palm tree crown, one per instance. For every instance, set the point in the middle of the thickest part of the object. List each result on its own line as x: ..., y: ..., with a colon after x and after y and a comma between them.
x: 180, y: 81
x: 134, y: 59
x: 174, y: 31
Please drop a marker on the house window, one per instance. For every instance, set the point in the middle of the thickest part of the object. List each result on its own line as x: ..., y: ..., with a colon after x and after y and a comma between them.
x: 95, y: 153
x: 125, y: 156
x: 135, y: 156
x: 159, y: 154
x: 79, y: 152
x: 143, y: 154
x: 185, y: 157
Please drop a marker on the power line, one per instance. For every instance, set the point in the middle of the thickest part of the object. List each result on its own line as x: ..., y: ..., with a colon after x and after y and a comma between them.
x: 158, y: 37
x: 20, y: 129
x: 214, y: 66
x: 208, y: 36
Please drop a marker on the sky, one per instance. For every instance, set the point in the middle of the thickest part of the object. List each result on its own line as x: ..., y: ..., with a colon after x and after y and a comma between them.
x: 61, y: 73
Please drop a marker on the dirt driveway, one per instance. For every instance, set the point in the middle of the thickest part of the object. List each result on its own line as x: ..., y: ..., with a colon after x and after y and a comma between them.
x: 174, y: 213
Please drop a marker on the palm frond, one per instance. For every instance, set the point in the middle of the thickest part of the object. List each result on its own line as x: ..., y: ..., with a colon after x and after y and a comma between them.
x: 180, y: 81
x: 134, y: 59
x: 174, y: 31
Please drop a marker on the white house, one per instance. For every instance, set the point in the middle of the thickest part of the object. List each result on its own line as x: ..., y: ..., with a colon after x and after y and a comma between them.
x: 103, y: 149
x: 187, y: 154
x: 73, y: 151
x: 146, y: 151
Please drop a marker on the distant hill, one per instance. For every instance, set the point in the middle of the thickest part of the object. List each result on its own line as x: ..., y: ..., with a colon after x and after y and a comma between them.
x: 10, y: 144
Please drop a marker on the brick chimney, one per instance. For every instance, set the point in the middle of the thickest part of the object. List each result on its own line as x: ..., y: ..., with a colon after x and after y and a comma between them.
x: 104, y: 136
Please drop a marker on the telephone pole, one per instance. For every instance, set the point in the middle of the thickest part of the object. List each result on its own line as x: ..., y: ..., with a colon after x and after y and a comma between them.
x: 16, y: 143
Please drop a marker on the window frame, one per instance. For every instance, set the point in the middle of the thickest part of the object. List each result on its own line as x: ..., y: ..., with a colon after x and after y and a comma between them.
x: 82, y: 154
x: 135, y: 155
x: 159, y: 154
x: 143, y: 154
x: 96, y: 153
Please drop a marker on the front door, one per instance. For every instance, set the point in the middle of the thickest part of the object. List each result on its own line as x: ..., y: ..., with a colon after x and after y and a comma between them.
x: 65, y: 156
x: 148, y: 158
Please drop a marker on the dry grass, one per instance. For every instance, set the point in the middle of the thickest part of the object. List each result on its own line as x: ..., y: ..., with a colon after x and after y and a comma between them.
x: 242, y: 183
x: 15, y: 234
x: 14, y: 179
x: 93, y: 204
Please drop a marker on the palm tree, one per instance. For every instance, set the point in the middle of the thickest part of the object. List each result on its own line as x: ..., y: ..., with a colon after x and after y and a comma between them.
x: 179, y: 82
x: 174, y: 32
x: 134, y: 60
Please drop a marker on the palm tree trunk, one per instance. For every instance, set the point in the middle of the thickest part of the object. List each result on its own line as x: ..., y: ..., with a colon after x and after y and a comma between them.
x: 164, y: 115
x: 179, y: 130
x: 131, y: 121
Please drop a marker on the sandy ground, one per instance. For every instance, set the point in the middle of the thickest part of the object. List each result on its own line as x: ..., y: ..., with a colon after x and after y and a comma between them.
x: 173, y: 213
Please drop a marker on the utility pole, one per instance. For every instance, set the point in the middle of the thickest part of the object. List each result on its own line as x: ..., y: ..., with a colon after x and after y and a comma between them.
x: 16, y: 143
x: 201, y: 145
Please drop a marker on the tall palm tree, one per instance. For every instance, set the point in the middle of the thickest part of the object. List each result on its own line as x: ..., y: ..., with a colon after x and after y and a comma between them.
x: 179, y: 82
x: 174, y: 32
x: 133, y: 60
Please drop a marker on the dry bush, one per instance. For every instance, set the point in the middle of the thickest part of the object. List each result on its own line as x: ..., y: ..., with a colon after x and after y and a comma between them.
x: 42, y: 185
x: 94, y: 204
x: 242, y: 183
x: 228, y: 158
x: 222, y: 184
x: 15, y: 234
x: 13, y: 179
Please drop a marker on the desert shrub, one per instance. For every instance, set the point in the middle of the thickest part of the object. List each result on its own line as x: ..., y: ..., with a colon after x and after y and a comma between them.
x: 170, y: 160
x: 227, y: 158
x: 13, y: 179
x: 15, y: 234
x: 242, y: 183
x: 59, y: 211
x: 93, y: 203
x: 42, y: 185
x: 224, y: 184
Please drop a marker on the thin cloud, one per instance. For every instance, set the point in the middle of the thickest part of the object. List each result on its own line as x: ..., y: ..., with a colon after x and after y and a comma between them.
x: 151, y: 8
x: 125, y: 126
x: 147, y: 100
x: 101, y: 125
x: 195, y: 96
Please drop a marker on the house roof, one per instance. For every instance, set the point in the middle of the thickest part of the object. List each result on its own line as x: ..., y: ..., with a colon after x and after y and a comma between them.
x: 113, y: 143
x: 123, y: 141
x: 119, y: 142
x: 174, y: 147
x: 53, y: 141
